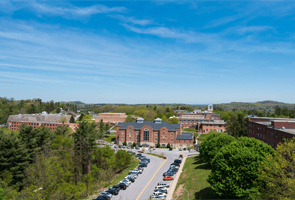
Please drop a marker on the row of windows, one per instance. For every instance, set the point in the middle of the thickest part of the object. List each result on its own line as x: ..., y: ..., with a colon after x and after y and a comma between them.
x: 262, y: 136
x: 156, y: 133
x: 156, y: 140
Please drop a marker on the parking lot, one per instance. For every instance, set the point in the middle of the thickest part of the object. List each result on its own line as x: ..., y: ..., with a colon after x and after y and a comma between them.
x: 144, y: 185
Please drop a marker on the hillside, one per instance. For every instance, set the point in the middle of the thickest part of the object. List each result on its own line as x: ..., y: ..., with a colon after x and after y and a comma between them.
x: 260, y: 105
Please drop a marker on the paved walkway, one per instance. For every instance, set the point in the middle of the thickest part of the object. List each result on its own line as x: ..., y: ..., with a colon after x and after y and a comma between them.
x: 174, y: 182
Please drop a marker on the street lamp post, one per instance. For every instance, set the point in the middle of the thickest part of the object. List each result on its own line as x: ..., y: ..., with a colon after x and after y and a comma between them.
x: 187, y: 193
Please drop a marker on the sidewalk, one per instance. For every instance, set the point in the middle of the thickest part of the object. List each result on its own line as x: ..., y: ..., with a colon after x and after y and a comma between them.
x: 174, y: 182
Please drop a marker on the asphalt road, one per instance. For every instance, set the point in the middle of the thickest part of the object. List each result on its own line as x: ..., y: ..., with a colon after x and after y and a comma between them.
x: 144, y: 185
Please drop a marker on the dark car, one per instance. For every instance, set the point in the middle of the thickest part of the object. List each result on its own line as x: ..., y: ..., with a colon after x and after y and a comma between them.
x: 116, y: 187
x: 102, y: 197
x: 177, y: 161
x: 122, y: 185
x: 184, y: 149
x: 143, y: 165
x: 131, y: 179
x: 137, y: 147
x: 147, y: 159
x: 176, y: 164
x: 120, y: 146
x: 113, y: 191
x: 144, y: 161
x: 170, y: 149
x: 138, y: 155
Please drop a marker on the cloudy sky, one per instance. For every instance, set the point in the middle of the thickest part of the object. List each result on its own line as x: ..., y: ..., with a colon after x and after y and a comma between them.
x: 147, y: 51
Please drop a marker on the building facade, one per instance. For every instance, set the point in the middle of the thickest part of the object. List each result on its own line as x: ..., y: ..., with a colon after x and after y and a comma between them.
x: 271, y: 130
x: 149, y: 133
x: 36, y: 120
x: 214, y: 125
x: 111, y: 118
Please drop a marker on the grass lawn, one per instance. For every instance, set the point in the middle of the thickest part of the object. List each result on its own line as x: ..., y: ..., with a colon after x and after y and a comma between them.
x: 189, y: 130
x: 194, y: 179
x: 125, y: 172
x: 109, y: 137
x: 160, y: 156
x: 114, y: 128
x: 6, y: 130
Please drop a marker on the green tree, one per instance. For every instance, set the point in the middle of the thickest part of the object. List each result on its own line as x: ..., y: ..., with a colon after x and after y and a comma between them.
x: 14, y: 157
x: 81, y: 117
x: 173, y: 120
x: 2, y: 196
x: 158, y: 145
x: 168, y: 145
x: 150, y: 115
x: 123, y: 159
x: 72, y: 120
x: 62, y: 119
x: 101, y: 129
x: 277, y: 174
x: 237, y: 125
x: 235, y: 168
x: 107, y: 128
x: 125, y: 143
x: 129, y: 119
x: 134, y: 144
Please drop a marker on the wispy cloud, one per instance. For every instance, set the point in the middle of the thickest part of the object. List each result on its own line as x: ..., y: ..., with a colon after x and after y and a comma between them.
x: 221, y: 21
x: 132, y: 20
x: 74, y: 11
x: 247, y: 29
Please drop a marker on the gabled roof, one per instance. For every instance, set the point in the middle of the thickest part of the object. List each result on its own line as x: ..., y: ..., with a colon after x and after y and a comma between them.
x: 152, y: 124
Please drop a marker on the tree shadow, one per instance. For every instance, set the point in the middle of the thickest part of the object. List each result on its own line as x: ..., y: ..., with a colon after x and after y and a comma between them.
x: 208, y: 193
x: 200, y: 164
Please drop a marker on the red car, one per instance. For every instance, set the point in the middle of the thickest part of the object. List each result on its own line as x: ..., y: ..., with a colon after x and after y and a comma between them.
x: 168, y: 178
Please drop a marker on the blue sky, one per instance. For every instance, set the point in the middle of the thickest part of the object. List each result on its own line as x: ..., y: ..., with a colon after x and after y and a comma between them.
x: 147, y: 51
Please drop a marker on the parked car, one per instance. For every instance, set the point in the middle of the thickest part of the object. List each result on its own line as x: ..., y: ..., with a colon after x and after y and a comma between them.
x: 156, y: 197
x: 180, y: 149
x: 154, y: 148
x: 170, y: 149
x: 113, y: 191
x: 161, y: 190
x: 106, y: 193
x: 137, y: 148
x: 188, y: 149
x: 143, y: 165
x: 164, y: 184
x: 122, y: 185
x: 176, y: 164
x: 177, y: 161
x: 102, y: 197
x: 138, y: 155
x: 117, y: 187
x: 168, y: 178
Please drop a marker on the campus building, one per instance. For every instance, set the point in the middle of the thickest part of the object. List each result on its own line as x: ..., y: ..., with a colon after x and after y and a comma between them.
x: 111, y: 118
x: 35, y: 120
x: 271, y: 130
x: 149, y: 133
x: 213, y: 125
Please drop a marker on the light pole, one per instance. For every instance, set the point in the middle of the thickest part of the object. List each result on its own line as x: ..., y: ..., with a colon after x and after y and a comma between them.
x: 187, y: 193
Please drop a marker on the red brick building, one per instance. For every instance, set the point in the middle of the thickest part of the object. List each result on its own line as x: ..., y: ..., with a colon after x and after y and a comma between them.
x: 111, y: 118
x: 149, y: 133
x: 35, y: 120
x: 214, y: 125
x: 271, y: 130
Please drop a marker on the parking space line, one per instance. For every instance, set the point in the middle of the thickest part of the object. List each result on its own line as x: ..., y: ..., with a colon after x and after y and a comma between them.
x: 151, y: 179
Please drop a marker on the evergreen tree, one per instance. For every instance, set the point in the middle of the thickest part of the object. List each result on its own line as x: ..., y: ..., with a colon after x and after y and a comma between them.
x: 134, y: 144
x: 129, y: 119
x: 72, y: 120
x: 158, y: 145
x: 125, y: 143
x: 14, y: 157
x: 168, y: 145
x: 101, y: 129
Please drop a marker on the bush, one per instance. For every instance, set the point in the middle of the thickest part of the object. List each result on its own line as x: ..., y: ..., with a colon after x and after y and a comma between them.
x: 215, y: 144
x: 158, y: 145
x: 125, y: 143
x: 235, y: 168
x: 168, y: 145
x: 134, y: 144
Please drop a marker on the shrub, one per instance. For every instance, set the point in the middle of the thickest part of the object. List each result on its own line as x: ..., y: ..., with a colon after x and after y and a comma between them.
x: 125, y: 143
x: 158, y: 145
x: 168, y: 145
x: 235, y: 167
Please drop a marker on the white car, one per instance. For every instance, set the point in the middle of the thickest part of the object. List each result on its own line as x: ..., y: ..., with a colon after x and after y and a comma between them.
x: 126, y: 181
x: 161, y: 187
x: 106, y: 193
x: 160, y: 194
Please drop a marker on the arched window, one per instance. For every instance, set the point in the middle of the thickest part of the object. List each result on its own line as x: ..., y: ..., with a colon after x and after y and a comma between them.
x: 146, y: 135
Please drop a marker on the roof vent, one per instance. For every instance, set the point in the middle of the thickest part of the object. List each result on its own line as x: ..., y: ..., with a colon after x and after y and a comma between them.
x: 158, y: 121
x: 140, y: 120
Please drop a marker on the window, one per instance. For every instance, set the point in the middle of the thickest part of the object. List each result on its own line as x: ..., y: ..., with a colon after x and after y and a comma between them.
x: 163, y: 133
x: 156, y: 139
x: 206, y: 129
x: 156, y: 133
x: 146, y: 134
x: 129, y: 138
x: 137, y: 139
x: 277, y: 137
x: 171, y: 140
x: 178, y: 140
x: 129, y: 132
x: 137, y: 133
x: 171, y: 134
x: 122, y: 132
x: 186, y: 122
x: 122, y: 138
x: 190, y: 141
x: 184, y: 141
x: 282, y: 137
x: 163, y: 140
x: 219, y: 125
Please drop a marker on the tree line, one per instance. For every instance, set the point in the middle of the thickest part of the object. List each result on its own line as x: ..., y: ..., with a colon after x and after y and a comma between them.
x: 247, y: 168
x: 43, y: 164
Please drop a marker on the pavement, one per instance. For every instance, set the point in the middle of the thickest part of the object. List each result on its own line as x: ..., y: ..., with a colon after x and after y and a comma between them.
x: 144, y: 185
